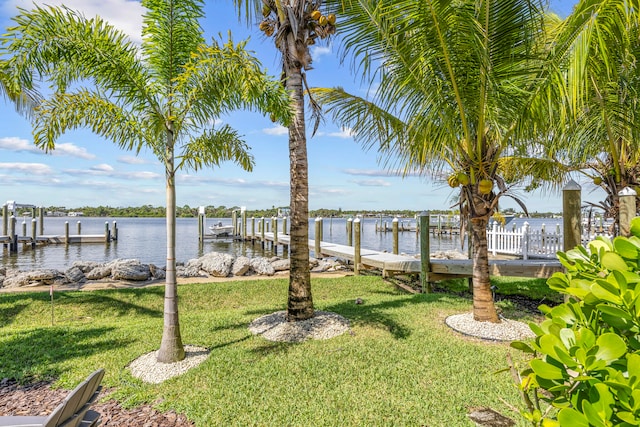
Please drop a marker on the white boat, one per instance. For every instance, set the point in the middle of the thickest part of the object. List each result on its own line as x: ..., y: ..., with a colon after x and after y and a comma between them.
x: 219, y: 230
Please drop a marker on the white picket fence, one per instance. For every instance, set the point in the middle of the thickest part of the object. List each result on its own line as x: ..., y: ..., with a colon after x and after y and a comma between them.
x: 527, y: 243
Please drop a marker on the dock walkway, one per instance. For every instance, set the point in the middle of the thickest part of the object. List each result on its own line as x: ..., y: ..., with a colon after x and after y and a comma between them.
x: 439, y: 269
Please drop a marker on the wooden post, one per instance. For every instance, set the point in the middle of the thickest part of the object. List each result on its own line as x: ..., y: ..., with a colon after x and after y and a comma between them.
x: 275, y: 235
x: 66, y: 232
x: 114, y: 233
x: 107, y: 236
x: 5, y: 220
x: 356, y: 247
x: 34, y: 223
x: 13, y: 246
x: 318, y: 237
x: 201, y: 223
x: 243, y: 215
x: 350, y: 232
x: 24, y: 228
x: 79, y: 227
x: 572, y: 219
x: 494, y: 238
x: 394, y: 227
x: 234, y: 221
x: 627, y: 198
x: 285, y: 248
x: 41, y: 220
x: 253, y: 228
x: 425, y: 255
x: 262, y: 231
x: 525, y: 241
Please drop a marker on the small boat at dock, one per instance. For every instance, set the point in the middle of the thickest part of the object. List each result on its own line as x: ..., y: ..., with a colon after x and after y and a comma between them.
x: 220, y: 230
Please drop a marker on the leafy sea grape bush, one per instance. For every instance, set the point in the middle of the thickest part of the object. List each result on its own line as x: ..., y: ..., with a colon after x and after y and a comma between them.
x: 585, y: 369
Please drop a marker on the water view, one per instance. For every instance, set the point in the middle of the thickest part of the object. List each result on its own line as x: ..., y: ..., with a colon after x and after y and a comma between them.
x: 145, y: 239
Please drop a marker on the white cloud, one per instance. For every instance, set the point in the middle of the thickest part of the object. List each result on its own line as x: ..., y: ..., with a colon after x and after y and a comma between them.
x: 102, y: 168
x: 139, y: 175
x: 367, y: 172
x: 229, y: 182
x: 69, y: 149
x: 18, y: 144
x: 28, y: 168
x: 132, y: 160
x: 126, y: 15
x: 372, y: 183
x: 319, y: 51
x: 381, y: 172
x: 276, y: 130
x: 345, y: 133
x: 63, y: 149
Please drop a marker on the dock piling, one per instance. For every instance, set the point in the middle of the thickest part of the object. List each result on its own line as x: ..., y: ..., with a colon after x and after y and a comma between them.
x: 317, y: 237
x: 66, y: 232
x: 275, y: 235
x: 627, y: 198
x: 5, y: 220
x: 350, y: 232
x: 41, y: 221
x: 394, y: 228
x: 33, y: 233
x: 572, y: 218
x: 13, y: 246
x: 356, y: 247
x: 425, y: 260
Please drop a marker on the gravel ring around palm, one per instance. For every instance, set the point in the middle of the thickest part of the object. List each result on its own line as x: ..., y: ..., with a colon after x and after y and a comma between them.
x: 506, y: 330
x: 148, y: 369
x: 323, y: 325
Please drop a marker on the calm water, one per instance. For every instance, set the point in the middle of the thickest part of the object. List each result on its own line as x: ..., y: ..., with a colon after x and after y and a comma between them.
x: 145, y: 239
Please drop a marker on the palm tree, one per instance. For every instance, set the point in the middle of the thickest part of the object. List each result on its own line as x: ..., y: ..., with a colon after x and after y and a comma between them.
x: 163, y: 95
x: 295, y: 25
x: 601, y: 45
x: 456, y: 85
x: 24, y: 99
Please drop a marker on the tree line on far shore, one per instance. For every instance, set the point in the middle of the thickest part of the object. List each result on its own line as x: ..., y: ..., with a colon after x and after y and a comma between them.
x: 187, y: 211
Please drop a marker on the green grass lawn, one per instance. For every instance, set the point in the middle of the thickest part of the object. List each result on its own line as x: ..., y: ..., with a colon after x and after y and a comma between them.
x: 400, y: 365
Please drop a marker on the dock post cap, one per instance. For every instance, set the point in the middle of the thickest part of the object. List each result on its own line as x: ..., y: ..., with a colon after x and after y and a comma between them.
x: 627, y: 191
x: 356, y: 220
x: 571, y: 185
x: 319, y: 218
x: 395, y: 219
x: 423, y: 213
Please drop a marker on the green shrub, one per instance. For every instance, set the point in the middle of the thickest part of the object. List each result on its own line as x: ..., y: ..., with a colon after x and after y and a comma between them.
x: 585, y: 369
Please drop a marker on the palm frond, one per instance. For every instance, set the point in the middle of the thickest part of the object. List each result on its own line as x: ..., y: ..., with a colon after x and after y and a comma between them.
x: 171, y: 32
x: 215, y: 146
x: 66, y: 47
x: 223, y: 77
x: 85, y: 109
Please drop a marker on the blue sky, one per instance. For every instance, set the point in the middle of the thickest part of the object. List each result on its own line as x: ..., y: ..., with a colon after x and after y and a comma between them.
x: 87, y: 170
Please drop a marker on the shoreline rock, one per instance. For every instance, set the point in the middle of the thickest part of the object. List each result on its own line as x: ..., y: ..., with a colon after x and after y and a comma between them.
x: 210, y: 265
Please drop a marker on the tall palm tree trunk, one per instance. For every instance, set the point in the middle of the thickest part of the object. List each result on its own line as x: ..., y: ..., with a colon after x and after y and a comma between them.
x: 300, y: 302
x: 483, y: 307
x: 171, y: 348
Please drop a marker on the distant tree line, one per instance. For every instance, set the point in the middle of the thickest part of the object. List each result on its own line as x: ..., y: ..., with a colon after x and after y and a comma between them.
x: 187, y: 211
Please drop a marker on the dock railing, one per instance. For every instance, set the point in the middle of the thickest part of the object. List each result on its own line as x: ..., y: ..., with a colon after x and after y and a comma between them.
x: 527, y: 243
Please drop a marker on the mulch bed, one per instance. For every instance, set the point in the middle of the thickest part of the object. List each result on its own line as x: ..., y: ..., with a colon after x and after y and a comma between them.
x: 40, y: 400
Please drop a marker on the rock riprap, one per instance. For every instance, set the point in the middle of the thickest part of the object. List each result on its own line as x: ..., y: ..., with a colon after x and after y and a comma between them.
x: 213, y: 264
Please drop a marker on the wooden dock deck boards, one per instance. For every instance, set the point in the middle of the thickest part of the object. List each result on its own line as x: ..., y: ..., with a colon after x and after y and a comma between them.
x: 439, y: 268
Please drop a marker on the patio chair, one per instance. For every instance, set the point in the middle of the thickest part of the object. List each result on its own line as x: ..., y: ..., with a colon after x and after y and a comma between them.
x: 72, y: 412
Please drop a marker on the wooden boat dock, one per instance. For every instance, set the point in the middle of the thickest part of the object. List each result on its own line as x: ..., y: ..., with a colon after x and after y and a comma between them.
x: 438, y: 269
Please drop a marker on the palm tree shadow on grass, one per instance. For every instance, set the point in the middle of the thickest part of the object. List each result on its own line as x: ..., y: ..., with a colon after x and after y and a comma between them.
x: 40, y: 353
x: 379, y: 314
